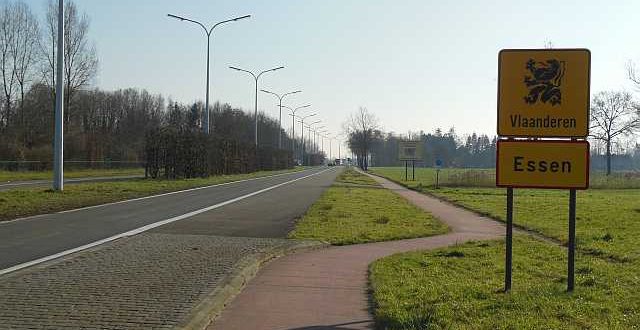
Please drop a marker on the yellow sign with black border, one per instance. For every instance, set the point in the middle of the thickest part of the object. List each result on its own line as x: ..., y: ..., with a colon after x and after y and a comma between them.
x: 543, y: 164
x: 543, y: 92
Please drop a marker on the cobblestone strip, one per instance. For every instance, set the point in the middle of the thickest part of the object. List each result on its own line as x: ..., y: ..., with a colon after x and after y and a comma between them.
x: 148, y: 281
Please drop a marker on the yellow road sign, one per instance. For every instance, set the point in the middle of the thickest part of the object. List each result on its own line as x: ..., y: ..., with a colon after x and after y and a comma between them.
x: 543, y: 92
x: 409, y: 150
x: 543, y: 164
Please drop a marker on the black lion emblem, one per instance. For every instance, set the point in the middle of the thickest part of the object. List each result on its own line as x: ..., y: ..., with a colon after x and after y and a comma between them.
x: 545, y: 81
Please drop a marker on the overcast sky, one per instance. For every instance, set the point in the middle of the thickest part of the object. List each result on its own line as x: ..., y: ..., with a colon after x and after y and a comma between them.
x: 416, y: 64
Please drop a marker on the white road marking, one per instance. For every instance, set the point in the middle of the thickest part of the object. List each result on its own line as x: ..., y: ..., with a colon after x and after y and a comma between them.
x: 152, y: 225
x: 152, y: 196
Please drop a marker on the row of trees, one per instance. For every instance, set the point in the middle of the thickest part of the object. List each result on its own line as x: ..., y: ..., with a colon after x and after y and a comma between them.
x: 372, y: 147
x: 99, y: 125
x: 614, y: 121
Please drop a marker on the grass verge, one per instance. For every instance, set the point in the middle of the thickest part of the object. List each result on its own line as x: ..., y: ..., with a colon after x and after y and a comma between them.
x: 6, y: 176
x: 21, y: 202
x: 607, y: 220
x: 460, y: 288
x: 357, y: 210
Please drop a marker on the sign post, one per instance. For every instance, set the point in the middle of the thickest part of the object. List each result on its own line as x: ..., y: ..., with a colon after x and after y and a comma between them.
x: 543, y: 93
x: 409, y: 151
x: 438, y: 166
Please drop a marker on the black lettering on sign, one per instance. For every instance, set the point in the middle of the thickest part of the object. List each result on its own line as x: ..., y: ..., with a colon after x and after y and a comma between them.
x: 517, y: 163
x: 540, y: 165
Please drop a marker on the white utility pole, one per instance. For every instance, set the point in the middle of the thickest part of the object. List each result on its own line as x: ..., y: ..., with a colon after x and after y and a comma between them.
x: 58, y: 154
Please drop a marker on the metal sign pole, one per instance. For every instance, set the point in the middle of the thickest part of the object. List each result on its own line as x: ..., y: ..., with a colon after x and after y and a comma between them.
x: 413, y: 169
x: 572, y: 240
x: 509, y: 241
x: 406, y: 169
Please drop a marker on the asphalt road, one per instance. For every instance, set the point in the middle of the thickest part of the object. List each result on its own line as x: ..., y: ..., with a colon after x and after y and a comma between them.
x: 44, y: 183
x: 267, y: 214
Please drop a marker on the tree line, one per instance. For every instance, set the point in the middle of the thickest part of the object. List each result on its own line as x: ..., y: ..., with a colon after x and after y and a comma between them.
x: 614, y: 125
x: 99, y: 126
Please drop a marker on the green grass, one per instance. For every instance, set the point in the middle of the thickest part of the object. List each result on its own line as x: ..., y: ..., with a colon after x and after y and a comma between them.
x: 85, y: 173
x: 458, y: 177
x: 460, y: 288
x: 362, y: 214
x: 467, y: 278
x: 21, y: 202
x: 607, y: 220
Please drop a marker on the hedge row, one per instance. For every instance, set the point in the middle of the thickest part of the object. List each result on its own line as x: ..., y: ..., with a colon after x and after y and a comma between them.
x: 172, y: 154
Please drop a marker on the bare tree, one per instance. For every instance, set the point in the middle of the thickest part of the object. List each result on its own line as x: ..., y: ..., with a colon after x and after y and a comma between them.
x: 7, y: 39
x: 80, y: 59
x: 632, y: 74
x: 360, y: 128
x: 613, y: 115
x: 24, y: 49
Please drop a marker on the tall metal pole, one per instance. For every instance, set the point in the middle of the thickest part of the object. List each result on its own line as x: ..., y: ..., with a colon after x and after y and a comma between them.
x: 256, y: 113
x: 206, y: 121
x: 205, y: 126
x: 280, y: 98
x: 256, y: 77
x: 58, y: 156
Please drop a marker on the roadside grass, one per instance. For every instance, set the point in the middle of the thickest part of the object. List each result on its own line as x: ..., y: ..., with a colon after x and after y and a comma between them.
x: 461, y: 288
x: 459, y: 177
x: 22, y: 202
x: 360, y: 214
x: 607, y: 220
x: 6, y: 176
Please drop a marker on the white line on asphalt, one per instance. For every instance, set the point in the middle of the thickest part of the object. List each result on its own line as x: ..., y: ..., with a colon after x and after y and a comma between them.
x: 150, y: 226
x: 180, y: 191
x: 154, y: 196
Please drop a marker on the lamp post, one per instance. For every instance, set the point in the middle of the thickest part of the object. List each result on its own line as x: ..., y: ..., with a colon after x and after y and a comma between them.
x: 293, y: 123
x: 280, y: 116
x: 256, y: 77
x: 58, y: 155
x: 316, y: 133
x: 205, y: 126
x: 312, y: 138
x: 302, y: 130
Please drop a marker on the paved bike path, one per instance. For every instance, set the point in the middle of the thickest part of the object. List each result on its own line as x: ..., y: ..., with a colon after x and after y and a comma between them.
x: 328, y: 288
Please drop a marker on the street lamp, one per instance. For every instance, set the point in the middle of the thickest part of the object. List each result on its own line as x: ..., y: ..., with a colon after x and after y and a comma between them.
x: 280, y: 108
x: 316, y: 132
x: 208, y: 32
x: 58, y: 139
x: 312, y: 140
x: 302, y: 130
x: 293, y: 124
x: 256, y: 77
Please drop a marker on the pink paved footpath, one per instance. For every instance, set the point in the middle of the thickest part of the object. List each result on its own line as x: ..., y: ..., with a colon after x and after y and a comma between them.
x: 328, y: 288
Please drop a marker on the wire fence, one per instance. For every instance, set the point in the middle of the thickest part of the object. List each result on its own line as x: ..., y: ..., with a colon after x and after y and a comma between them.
x: 37, y: 165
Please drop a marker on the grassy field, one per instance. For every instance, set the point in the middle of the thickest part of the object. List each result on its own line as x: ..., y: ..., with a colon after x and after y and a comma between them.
x: 356, y: 210
x: 608, y: 220
x: 460, y: 288
x: 21, y: 202
x: 486, y: 178
x: 608, y: 264
x: 86, y: 173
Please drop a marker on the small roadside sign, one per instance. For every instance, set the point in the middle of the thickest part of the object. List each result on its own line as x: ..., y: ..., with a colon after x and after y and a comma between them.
x: 409, y: 150
x: 543, y: 92
x: 543, y: 164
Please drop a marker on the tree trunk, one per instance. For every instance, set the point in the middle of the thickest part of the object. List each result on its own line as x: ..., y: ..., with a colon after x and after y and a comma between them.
x: 609, y: 157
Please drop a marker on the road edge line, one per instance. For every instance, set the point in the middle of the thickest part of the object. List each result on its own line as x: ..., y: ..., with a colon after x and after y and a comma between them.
x: 150, y: 226
x: 151, y: 196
